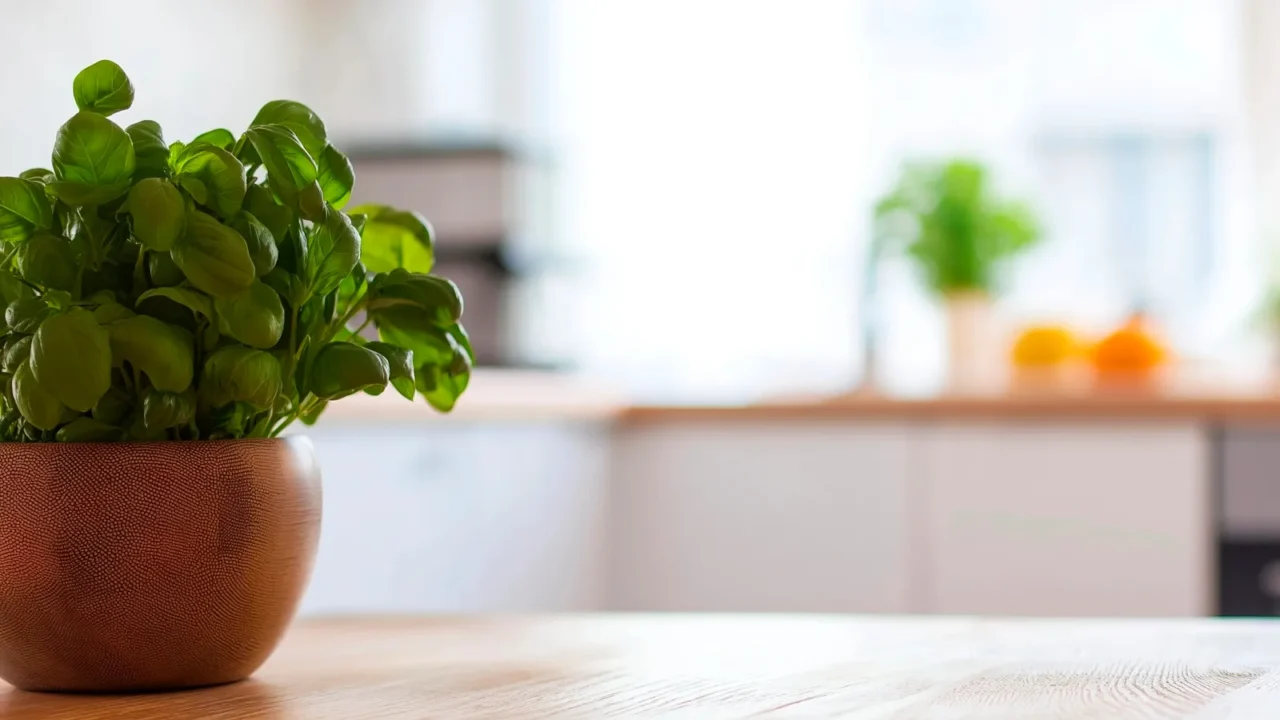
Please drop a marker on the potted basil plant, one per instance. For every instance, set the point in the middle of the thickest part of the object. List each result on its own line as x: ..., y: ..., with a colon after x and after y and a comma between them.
x: 169, y: 308
x: 959, y: 233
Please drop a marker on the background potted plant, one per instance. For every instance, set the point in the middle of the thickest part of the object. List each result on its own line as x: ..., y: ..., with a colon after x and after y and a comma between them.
x: 213, y: 291
x: 958, y: 232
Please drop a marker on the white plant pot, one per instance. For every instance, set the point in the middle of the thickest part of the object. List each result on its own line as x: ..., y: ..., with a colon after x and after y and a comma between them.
x: 973, y: 349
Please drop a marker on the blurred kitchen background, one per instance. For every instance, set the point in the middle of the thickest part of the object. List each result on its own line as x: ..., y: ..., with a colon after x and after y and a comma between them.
x: 710, y: 380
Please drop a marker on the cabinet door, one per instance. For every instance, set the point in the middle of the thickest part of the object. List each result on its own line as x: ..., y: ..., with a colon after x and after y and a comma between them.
x: 784, y: 517
x: 460, y: 517
x: 1063, y: 519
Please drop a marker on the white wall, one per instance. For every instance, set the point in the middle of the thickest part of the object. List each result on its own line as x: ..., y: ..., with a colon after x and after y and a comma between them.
x: 195, y: 65
x: 374, y: 69
x: 712, y: 157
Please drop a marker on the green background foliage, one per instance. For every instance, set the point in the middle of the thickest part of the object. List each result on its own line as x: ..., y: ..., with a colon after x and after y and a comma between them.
x: 213, y: 289
x: 947, y: 219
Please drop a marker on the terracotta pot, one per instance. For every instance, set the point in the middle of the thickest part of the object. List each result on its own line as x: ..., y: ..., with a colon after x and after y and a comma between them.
x: 151, y: 566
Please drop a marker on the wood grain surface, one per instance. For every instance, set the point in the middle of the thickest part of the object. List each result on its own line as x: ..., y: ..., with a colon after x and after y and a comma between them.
x: 723, y: 666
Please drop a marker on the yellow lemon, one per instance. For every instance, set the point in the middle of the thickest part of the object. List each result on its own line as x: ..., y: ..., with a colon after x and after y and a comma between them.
x: 1044, y: 346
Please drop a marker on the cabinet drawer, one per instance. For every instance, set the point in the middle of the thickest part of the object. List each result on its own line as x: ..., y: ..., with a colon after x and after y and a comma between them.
x: 1068, y: 520
x: 1251, y: 482
x: 447, y: 517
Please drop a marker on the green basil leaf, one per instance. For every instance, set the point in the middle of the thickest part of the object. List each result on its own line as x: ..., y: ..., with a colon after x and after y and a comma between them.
x: 109, y: 312
x: 195, y: 301
x: 214, y: 257
x: 229, y: 422
x: 336, y: 176
x: 330, y: 307
x: 276, y: 217
x: 93, y: 160
x: 219, y: 138
x: 298, y: 118
x: 12, y: 289
x: 103, y: 88
x: 289, y: 168
x: 282, y: 406
x: 163, y: 270
x: 162, y: 409
x: 211, y: 336
x: 311, y: 204
x: 159, y: 213
x: 396, y: 239
x: 458, y: 334
x: 139, y: 432
x: 25, y: 314
x: 255, y: 317
x: 219, y: 172
x: 195, y: 187
x: 312, y: 415
x: 239, y: 374
x: 113, y: 407
x: 333, y: 251
x: 262, y: 246
x: 101, y: 296
x: 282, y: 282
x: 430, y: 346
x: 87, y: 429
x: 16, y: 352
x: 164, y: 352
x: 37, y: 175
x: 38, y: 406
x: 358, y: 221
x: 24, y: 208
x: 57, y: 299
x: 353, y: 286
x: 400, y: 362
x: 176, y: 150
x: 111, y: 275
x: 414, y: 300
x: 442, y: 385
x: 262, y: 427
x: 71, y: 356
x: 343, y: 368
x: 78, y: 194
x: 293, y: 250
x: 48, y: 261
x: 151, y: 155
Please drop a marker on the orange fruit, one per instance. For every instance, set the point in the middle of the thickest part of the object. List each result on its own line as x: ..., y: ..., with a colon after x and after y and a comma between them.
x: 1045, y: 346
x: 1131, y: 349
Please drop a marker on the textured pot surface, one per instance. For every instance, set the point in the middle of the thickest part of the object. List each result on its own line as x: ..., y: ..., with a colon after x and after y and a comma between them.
x: 147, y: 566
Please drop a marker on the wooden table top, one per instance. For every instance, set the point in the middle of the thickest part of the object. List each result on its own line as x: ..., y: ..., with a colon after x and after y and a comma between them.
x: 724, y: 666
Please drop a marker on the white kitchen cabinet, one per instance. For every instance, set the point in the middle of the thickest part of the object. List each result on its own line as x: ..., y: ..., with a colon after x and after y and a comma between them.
x: 785, y: 516
x: 455, y: 516
x: 1099, y: 519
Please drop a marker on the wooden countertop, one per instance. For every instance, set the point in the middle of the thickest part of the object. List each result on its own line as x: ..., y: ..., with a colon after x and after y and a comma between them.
x: 1086, y: 407
x: 491, y: 395
x: 732, y: 666
x: 501, y: 395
